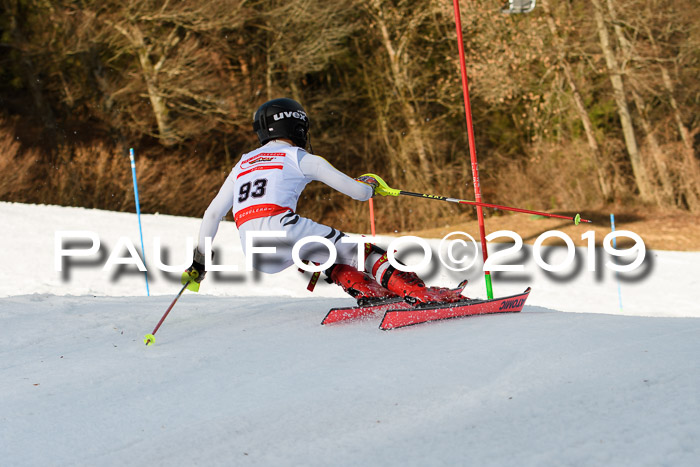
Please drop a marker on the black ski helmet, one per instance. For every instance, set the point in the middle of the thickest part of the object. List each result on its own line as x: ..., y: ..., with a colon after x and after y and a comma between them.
x: 282, y: 118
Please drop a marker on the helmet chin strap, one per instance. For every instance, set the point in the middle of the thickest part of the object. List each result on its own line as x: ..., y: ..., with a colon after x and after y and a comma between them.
x: 308, y: 143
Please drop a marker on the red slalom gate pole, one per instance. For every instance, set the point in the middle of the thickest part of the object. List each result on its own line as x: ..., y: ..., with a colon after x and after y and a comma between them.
x: 371, y: 216
x: 472, y: 145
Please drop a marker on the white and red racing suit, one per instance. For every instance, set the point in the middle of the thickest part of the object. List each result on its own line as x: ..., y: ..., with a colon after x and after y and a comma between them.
x: 262, y: 191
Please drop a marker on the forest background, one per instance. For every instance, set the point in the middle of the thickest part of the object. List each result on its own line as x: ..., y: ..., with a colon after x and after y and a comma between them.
x: 578, y: 105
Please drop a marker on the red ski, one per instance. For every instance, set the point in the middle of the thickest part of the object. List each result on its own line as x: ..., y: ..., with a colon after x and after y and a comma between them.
x: 397, y: 318
x: 354, y: 312
x: 360, y: 311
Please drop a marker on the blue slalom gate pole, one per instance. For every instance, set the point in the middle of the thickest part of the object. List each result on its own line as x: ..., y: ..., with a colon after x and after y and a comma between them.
x: 138, y: 212
x: 614, y: 241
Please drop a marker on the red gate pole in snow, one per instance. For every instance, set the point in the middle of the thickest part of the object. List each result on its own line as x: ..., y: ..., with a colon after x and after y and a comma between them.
x: 472, y: 147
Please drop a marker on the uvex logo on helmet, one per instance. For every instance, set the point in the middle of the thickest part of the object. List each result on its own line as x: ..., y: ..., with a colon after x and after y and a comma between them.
x: 298, y: 114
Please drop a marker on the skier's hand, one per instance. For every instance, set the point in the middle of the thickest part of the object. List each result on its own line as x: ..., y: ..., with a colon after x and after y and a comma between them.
x: 196, y: 272
x: 381, y: 188
x: 369, y: 180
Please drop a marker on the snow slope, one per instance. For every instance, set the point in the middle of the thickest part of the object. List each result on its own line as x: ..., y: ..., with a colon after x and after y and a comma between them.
x: 243, y: 375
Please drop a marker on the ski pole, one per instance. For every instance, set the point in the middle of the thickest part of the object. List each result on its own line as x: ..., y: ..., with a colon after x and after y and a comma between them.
x: 150, y: 338
x: 577, y: 218
x: 385, y: 190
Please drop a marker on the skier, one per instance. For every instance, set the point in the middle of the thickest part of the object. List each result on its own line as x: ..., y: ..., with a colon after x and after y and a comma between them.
x: 262, y: 191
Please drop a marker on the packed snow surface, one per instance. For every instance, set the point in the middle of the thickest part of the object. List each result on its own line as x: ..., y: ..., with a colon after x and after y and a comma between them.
x: 244, y: 374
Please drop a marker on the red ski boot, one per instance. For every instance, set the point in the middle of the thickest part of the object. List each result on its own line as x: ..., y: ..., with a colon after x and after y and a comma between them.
x: 359, y: 285
x: 414, y: 290
x: 407, y: 284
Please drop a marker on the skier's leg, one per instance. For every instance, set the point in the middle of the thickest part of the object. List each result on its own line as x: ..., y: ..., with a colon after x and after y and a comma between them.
x: 344, y: 273
x: 388, y: 281
x: 406, y: 284
x: 294, y: 229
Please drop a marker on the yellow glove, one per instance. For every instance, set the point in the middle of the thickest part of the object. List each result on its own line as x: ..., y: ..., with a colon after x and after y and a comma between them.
x: 195, y: 273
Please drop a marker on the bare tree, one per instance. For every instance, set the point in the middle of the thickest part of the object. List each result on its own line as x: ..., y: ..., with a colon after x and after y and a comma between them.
x: 179, y: 53
x: 690, y: 173
x: 619, y: 93
x: 33, y: 16
x: 303, y: 37
x: 662, y: 172
x: 581, y: 109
